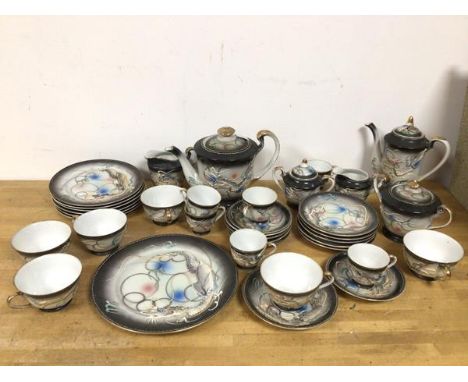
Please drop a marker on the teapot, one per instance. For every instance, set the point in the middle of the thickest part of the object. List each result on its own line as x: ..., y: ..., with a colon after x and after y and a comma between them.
x: 225, y: 161
x: 406, y: 206
x: 400, y: 155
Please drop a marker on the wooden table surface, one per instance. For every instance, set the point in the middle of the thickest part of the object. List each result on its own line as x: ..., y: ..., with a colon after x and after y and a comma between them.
x: 426, y: 325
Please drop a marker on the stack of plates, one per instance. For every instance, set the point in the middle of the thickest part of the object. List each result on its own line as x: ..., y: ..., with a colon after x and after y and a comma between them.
x: 97, y: 183
x: 276, y: 228
x: 336, y: 221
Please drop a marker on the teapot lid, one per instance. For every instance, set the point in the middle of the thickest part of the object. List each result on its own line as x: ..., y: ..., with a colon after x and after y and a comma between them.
x: 407, y: 137
x: 226, y: 146
x: 162, y: 161
x: 410, y: 198
x: 303, y: 176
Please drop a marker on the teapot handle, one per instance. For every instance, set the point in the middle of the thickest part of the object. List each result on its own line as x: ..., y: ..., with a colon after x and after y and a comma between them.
x: 443, y: 208
x: 279, y: 181
x: 442, y: 161
x: 378, y: 181
x: 260, y: 136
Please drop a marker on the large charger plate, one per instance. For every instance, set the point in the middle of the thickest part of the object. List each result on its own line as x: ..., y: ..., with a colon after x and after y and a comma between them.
x: 95, y: 182
x: 164, y: 284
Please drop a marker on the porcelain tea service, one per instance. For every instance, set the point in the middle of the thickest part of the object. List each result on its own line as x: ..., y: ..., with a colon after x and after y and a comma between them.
x: 40, y: 238
x: 292, y: 279
x: 47, y: 283
x: 225, y: 161
x: 101, y: 230
x: 400, y: 155
x: 303, y: 180
x: 163, y: 204
x: 406, y: 206
x: 431, y: 255
x: 248, y: 247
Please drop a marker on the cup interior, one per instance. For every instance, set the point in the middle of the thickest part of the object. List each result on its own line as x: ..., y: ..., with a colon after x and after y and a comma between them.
x: 355, y: 174
x: 368, y: 256
x: 162, y: 196
x: 259, y: 196
x: 248, y: 240
x: 290, y: 272
x: 41, y: 236
x: 320, y: 166
x: 433, y: 246
x: 100, y: 222
x: 204, y: 196
x: 48, y: 274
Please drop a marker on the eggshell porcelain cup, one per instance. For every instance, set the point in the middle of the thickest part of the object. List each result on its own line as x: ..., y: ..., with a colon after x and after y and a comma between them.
x: 431, y: 255
x: 257, y: 201
x: 36, y: 239
x: 248, y: 247
x: 292, y: 279
x: 163, y: 204
x: 202, y: 201
x: 48, y: 282
x: 101, y: 230
x: 369, y: 263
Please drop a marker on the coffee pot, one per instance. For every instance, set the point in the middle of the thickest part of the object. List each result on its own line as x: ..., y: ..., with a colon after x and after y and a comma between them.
x: 400, y: 155
x: 225, y: 161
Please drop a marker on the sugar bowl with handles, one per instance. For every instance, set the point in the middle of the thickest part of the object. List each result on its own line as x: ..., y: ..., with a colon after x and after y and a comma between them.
x: 301, y: 181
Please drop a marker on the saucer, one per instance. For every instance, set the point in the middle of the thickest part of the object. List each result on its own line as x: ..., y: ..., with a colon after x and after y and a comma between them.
x: 321, y: 308
x: 392, y: 285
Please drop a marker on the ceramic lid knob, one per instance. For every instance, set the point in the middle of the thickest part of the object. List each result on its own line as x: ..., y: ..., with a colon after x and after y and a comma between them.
x: 226, y: 131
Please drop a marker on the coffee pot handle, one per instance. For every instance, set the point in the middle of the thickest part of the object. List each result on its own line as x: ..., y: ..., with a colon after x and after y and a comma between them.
x: 260, y: 136
x: 279, y: 180
x: 11, y: 304
x: 443, y: 208
x: 442, y: 161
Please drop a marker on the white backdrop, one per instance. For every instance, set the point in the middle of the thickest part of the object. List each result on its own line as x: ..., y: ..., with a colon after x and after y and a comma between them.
x: 76, y: 88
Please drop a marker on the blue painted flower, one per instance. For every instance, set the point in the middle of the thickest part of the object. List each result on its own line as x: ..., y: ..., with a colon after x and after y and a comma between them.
x: 333, y: 222
x: 178, y: 296
x: 212, y: 178
x: 94, y: 176
x: 103, y: 191
x: 341, y: 209
x: 162, y: 266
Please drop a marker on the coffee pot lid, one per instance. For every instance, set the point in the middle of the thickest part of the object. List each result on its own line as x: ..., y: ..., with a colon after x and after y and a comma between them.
x: 226, y: 146
x: 303, y: 176
x: 410, y: 198
x: 162, y: 161
x: 407, y: 137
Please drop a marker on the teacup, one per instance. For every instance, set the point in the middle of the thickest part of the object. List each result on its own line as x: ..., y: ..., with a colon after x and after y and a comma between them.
x: 291, y: 279
x: 202, y: 201
x: 257, y: 202
x: 36, y: 239
x: 203, y: 225
x: 354, y: 182
x: 48, y: 282
x: 369, y: 263
x: 321, y: 166
x: 248, y: 247
x: 163, y: 204
x: 101, y: 230
x: 431, y: 255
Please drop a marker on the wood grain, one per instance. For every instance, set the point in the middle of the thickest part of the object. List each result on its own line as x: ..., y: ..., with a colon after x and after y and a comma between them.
x: 428, y: 324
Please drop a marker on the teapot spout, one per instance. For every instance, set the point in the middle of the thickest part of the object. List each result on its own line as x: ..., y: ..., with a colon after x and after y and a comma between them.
x: 190, y: 173
x: 378, y: 152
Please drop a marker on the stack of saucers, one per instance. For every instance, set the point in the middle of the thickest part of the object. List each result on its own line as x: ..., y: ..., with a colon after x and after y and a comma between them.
x: 336, y: 221
x: 97, y: 183
x: 276, y: 228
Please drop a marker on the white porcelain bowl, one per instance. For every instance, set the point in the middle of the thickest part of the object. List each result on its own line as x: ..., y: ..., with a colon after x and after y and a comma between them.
x: 248, y: 240
x: 41, y: 238
x: 164, y: 196
x: 259, y: 196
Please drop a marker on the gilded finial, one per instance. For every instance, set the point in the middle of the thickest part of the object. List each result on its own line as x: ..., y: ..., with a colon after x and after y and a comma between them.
x: 410, y: 120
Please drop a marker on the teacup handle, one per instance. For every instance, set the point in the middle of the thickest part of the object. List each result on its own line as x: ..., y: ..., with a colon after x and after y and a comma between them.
x: 331, y: 180
x: 446, y: 272
x: 220, y: 212
x: 393, y: 260
x: 183, y: 191
x: 279, y: 181
x: 443, y: 208
x: 11, y: 304
x: 330, y: 281
x: 273, y: 248
x: 442, y: 161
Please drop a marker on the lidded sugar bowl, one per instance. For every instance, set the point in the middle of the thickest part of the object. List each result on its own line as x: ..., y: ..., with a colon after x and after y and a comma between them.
x: 225, y: 161
x: 407, y: 206
x: 164, y: 168
x: 400, y: 155
x: 301, y: 181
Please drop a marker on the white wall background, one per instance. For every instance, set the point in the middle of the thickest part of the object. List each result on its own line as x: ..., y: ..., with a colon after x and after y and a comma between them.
x: 76, y: 88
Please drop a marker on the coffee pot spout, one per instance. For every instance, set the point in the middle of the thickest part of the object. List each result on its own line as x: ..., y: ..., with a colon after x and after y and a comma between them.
x: 190, y: 173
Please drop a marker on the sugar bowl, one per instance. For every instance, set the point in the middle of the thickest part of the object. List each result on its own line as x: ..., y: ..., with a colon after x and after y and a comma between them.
x: 301, y: 181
